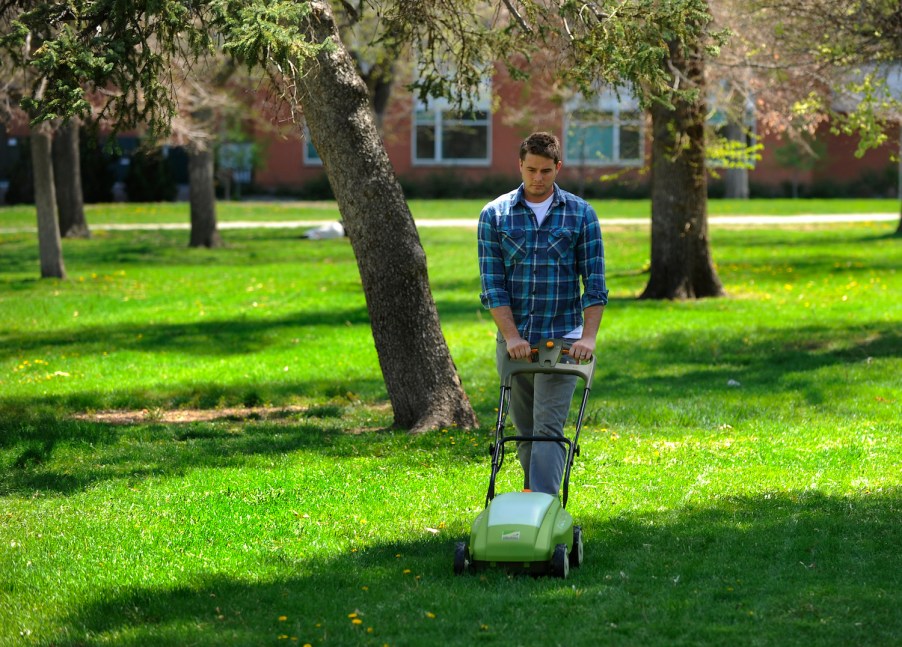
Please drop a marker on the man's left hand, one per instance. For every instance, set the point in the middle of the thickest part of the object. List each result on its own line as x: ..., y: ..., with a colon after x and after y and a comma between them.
x: 582, y: 349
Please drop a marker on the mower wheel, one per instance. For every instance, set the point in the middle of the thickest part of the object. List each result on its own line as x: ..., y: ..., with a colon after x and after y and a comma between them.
x: 560, y: 564
x: 576, y: 555
x: 461, y: 558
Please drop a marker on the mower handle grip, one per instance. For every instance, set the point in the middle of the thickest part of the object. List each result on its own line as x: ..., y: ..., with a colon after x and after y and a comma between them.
x: 546, y: 359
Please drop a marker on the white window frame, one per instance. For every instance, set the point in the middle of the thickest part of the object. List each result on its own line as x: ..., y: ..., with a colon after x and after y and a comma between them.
x: 608, y: 102
x: 439, y: 122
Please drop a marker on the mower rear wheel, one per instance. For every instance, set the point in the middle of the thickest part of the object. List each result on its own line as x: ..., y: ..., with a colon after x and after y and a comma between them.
x: 461, y: 558
x: 560, y: 563
x: 576, y: 555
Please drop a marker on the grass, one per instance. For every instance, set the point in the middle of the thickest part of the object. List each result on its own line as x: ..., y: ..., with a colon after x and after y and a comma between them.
x: 277, y: 211
x: 739, y: 480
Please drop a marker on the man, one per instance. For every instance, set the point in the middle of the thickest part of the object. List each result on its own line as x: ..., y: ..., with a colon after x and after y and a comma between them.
x: 535, y: 244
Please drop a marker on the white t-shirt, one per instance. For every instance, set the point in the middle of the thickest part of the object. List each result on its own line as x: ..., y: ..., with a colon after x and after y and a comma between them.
x: 541, y: 208
x: 541, y: 211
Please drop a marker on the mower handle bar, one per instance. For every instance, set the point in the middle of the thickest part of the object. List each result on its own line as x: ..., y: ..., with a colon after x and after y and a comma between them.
x: 546, y: 359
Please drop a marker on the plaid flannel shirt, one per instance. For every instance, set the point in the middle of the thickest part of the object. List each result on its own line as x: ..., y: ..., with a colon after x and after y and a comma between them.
x: 537, y: 270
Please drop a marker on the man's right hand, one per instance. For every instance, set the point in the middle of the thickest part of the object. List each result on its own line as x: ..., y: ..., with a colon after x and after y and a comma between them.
x: 518, y: 348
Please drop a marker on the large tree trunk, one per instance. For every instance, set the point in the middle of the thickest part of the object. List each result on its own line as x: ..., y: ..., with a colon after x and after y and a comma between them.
x: 67, y: 181
x: 49, y: 243
x: 202, y: 196
x: 420, y: 376
x: 681, y: 266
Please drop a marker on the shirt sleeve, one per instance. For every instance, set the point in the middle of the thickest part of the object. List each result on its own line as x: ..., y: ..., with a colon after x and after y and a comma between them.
x: 494, y: 294
x: 590, y: 262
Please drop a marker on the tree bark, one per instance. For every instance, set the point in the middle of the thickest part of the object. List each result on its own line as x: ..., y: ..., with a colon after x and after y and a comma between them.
x: 681, y: 265
x: 736, y: 180
x: 420, y: 376
x: 67, y: 182
x: 899, y: 227
x: 49, y: 243
x: 202, y: 198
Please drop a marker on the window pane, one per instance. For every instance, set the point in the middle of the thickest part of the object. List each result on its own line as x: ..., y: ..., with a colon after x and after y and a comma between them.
x: 590, y: 144
x: 630, y: 143
x: 465, y: 142
x: 312, y: 155
x: 425, y: 143
x: 425, y: 116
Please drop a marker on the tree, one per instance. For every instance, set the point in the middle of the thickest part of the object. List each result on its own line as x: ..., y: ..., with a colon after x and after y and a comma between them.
x: 812, y: 61
x: 24, y: 90
x: 67, y: 181
x: 420, y: 377
x: 124, y: 53
x: 681, y: 266
x: 49, y: 245
x: 657, y: 48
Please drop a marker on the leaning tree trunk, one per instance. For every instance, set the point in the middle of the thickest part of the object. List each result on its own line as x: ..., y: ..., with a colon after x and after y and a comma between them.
x: 681, y: 265
x: 202, y: 197
x: 420, y: 376
x: 70, y: 199
x: 49, y: 244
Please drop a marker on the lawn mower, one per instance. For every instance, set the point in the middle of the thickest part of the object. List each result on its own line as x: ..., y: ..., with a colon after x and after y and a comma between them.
x: 528, y: 531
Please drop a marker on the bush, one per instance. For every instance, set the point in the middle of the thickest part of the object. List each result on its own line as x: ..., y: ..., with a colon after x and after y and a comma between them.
x: 150, y: 177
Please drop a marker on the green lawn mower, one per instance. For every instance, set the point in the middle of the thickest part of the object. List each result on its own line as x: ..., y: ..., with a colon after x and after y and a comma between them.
x: 527, y: 531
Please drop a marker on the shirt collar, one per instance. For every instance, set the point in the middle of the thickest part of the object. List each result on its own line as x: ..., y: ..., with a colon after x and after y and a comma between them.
x: 520, y: 198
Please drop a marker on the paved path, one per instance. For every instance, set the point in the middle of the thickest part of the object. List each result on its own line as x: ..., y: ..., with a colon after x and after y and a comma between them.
x: 748, y: 221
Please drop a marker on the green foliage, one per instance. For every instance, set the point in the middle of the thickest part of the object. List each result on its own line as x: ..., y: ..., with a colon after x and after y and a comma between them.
x: 730, y: 153
x: 261, y: 33
x: 69, y: 51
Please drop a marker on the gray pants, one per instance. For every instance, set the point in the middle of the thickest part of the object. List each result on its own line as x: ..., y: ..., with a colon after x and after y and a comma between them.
x: 539, y: 406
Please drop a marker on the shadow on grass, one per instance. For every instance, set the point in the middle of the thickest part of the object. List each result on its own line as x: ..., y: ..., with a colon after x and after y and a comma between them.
x: 789, y: 569
x: 218, y: 337
x: 69, y: 456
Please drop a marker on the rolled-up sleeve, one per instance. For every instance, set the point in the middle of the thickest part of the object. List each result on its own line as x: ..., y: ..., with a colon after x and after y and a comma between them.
x: 494, y: 293
x: 590, y: 260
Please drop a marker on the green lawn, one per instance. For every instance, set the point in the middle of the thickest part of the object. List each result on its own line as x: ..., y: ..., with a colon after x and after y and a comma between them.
x: 177, y: 212
x: 739, y: 482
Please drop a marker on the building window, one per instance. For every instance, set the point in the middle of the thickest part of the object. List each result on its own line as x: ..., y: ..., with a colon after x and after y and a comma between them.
x: 444, y: 134
x: 311, y: 156
x: 606, y: 131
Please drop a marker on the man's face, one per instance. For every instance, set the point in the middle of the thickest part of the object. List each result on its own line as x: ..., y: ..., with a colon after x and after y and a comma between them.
x: 538, y: 175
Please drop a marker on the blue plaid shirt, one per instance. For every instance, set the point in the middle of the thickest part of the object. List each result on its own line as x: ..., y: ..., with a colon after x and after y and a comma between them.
x: 536, y: 270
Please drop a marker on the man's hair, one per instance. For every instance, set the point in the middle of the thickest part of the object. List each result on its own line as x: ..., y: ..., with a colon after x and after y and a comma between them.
x: 544, y: 144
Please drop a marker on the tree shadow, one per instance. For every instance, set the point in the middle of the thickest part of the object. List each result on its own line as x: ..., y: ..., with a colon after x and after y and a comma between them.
x: 796, y: 568
x: 136, y: 451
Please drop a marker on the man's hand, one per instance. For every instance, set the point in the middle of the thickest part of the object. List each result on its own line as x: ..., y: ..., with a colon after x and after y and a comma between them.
x: 582, y: 349
x: 518, y: 348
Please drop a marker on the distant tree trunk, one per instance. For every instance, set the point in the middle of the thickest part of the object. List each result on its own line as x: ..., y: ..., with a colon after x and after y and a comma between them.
x: 67, y: 180
x: 420, y: 376
x: 899, y: 228
x: 681, y: 265
x: 202, y: 197
x: 49, y: 244
x: 736, y: 180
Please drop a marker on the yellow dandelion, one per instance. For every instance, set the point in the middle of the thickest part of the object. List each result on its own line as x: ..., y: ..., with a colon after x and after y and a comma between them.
x: 283, y: 618
x: 429, y: 614
x: 352, y: 615
x: 357, y: 621
x: 406, y: 571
